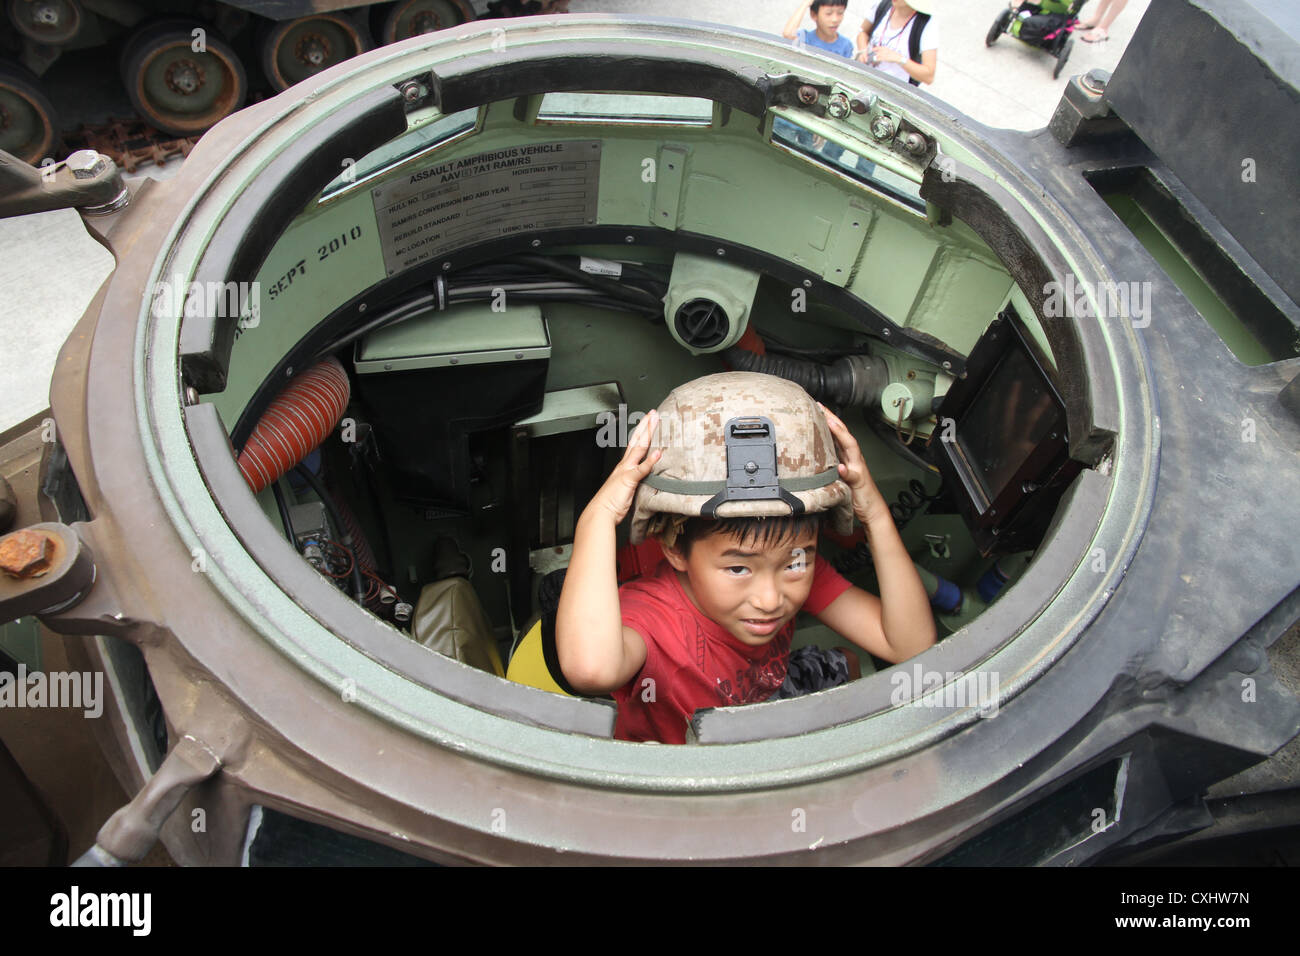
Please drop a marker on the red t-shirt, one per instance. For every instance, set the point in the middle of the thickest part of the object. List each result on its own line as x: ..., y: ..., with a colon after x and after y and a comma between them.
x: 693, y: 662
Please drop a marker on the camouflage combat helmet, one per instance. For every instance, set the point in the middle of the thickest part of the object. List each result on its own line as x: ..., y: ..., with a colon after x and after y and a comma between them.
x: 742, y: 444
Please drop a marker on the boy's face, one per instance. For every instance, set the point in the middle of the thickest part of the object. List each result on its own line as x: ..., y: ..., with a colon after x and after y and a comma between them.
x: 828, y: 18
x: 749, y: 589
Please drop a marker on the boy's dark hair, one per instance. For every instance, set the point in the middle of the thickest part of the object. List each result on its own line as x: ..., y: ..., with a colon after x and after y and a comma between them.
x: 760, y: 532
x: 818, y: 4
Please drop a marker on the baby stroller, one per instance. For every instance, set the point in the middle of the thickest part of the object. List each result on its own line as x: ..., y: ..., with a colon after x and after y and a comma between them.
x: 1047, y: 24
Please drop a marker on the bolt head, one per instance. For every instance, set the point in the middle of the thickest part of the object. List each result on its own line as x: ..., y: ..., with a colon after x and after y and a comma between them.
x: 25, y: 553
x: 807, y: 95
x: 87, y: 164
x: 838, y: 106
x: 882, y: 128
x: 1095, y: 80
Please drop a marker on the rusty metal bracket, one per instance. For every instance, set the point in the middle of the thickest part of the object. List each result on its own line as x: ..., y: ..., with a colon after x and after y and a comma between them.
x: 43, y: 569
x: 86, y: 180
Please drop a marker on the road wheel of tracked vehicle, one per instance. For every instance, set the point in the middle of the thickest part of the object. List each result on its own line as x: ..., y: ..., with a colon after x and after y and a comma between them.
x: 181, y: 77
x: 410, y: 18
x: 27, y: 127
x: 46, y: 21
x: 999, y: 27
x: 1062, y: 56
x: 297, y: 49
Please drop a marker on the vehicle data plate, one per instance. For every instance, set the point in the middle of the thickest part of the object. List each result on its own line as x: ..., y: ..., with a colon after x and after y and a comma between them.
x: 486, y: 196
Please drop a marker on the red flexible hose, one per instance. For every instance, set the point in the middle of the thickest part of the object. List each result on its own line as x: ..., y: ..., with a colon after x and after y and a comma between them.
x: 296, y: 421
x: 352, y: 527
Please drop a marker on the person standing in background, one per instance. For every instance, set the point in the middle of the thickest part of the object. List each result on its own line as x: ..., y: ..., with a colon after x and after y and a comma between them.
x: 827, y: 15
x: 1095, y: 31
x: 902, y: 40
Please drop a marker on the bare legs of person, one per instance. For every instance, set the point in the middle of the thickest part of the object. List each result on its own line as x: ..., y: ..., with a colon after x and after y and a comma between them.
x: 1096, y: 30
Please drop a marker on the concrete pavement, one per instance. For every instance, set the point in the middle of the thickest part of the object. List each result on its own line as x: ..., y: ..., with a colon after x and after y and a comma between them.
x: 1009, y: 84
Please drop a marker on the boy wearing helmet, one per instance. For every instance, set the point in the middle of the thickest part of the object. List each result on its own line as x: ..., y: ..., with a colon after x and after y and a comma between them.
x: 734, y: 474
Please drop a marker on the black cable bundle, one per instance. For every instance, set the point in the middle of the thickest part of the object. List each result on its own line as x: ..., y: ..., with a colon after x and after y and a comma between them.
x: 911, y: 501
x: 527, y: 278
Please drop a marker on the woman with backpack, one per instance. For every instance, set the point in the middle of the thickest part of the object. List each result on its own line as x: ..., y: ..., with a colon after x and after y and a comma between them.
x: 902, y: 39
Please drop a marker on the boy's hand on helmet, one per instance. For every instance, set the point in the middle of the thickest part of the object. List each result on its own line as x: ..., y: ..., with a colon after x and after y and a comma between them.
x: 867, y: 499
x: 619, y: 490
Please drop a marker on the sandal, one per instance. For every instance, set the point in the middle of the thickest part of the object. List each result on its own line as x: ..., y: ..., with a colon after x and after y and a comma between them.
x: 1090, y: 36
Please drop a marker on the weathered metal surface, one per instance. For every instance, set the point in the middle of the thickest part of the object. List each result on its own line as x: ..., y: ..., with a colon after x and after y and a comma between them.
x: 1213, y: 88
x: 24, y: 189
x: 46, y: 568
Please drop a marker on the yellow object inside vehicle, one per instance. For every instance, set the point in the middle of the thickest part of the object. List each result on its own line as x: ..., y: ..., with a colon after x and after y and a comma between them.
x: 528, y: 663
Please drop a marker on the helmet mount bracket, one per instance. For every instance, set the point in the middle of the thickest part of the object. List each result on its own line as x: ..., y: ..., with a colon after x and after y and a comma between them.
x: 751, y: 466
